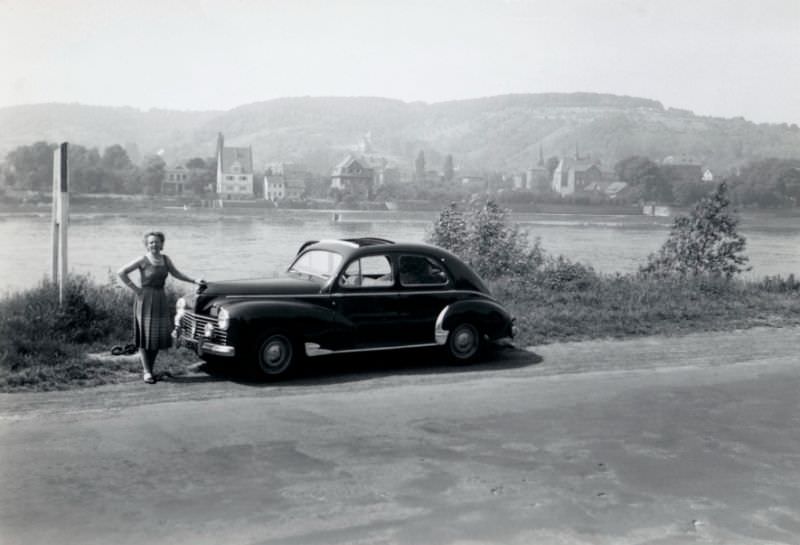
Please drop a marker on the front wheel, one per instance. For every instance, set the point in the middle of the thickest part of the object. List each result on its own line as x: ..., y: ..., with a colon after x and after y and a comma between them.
x: 463, y: 342
x: 275, y: 355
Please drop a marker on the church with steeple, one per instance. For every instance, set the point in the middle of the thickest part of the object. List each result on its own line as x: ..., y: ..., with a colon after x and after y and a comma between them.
x: 537, y: 177
x: 574, y: 174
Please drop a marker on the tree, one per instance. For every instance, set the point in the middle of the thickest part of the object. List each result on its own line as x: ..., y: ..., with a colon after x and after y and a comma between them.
x: 447, y: 169
x: 644, y: 175
x: 450, y: 230
x: 196, y: 162
x: 152, y: 175
x: 202, y: 181
x: 483, y: 237
x: 790, y: 180
x: 31, y: 167
x: 704, y: 243
x: 202, y: 175
x: 419, y: 166
x: 767, y: 183
x: 690, y: 193
x: 86, y: 173
x: 115, y: 158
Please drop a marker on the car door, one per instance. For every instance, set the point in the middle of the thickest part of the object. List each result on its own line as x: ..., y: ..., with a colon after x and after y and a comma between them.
x: 424, y: 289
x: 364, y: 296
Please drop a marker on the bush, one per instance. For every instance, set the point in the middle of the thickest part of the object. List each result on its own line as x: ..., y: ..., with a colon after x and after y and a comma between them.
x: 36, y: 331
x: 568, y: 302
x: 704, y: 243
x: 483, y: 237
x: 562, y: 274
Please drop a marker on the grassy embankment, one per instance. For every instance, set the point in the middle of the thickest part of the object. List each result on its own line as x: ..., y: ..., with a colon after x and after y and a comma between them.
x: 43, y: 347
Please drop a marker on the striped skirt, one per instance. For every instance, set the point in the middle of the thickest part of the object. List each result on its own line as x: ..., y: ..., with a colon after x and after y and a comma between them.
x: 152, y: 321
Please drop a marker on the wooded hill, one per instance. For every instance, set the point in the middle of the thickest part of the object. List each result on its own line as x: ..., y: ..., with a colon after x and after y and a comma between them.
x: 502, y: 133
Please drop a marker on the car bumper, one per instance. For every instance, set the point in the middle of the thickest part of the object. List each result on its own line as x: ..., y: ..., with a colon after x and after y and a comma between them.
x: 202, y: 347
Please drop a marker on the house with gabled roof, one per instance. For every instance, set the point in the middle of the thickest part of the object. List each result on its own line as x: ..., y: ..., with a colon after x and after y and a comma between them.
x: 285, y: 181
x: 234, y: 171
x: 683, y: 167
x: 353, y: 176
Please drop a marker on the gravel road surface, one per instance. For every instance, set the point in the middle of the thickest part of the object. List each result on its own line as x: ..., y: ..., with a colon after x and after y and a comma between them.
x: 656, y: 440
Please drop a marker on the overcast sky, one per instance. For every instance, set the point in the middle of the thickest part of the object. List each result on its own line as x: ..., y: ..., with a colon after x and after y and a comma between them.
x: 715, y: 57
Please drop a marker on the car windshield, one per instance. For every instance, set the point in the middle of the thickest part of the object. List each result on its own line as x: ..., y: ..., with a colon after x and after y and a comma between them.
x: 319, y: 263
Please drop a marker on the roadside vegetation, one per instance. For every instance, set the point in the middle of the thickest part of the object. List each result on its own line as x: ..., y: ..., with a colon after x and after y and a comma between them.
x: 44, y: 346
x: 691, y: 284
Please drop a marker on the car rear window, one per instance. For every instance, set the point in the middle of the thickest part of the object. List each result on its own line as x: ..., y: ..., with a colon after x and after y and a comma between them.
x: 417, y: 270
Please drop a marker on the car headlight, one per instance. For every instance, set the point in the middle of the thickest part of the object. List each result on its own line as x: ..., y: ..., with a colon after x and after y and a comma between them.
x: 223, y: 319
x: 180, y: 310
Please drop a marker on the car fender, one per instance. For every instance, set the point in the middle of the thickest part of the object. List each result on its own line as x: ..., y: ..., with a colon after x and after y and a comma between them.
x: 252, y: 316
x: 490, y: 317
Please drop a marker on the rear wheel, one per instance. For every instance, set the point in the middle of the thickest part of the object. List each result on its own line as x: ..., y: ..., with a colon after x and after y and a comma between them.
x: 463, y: 342
x: 275, y: 354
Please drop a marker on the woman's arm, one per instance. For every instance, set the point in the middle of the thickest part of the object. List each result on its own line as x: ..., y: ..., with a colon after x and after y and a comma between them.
x: 126, y: 270
x: 178, y: 274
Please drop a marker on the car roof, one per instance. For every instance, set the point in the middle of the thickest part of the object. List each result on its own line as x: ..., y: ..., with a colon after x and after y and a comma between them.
x: 466, y: 278
x: 344, y: 243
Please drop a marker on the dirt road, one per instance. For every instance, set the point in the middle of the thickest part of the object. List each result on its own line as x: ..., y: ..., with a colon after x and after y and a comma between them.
x: 650, y: 441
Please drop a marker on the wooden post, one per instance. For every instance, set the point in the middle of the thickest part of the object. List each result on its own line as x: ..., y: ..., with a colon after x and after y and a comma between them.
x: 60, y: 218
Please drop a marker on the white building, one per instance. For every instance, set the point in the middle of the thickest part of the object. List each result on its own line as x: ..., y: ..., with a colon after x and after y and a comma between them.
x: 234, y: 171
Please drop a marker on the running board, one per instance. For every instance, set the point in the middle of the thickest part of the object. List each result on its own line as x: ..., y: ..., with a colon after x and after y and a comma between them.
x: 313, y: 349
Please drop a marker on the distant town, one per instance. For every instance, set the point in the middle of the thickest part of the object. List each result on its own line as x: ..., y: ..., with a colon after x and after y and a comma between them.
x: 364, y: 178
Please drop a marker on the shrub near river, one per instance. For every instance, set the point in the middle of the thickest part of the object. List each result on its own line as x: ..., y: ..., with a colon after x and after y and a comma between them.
x: 690, y: 285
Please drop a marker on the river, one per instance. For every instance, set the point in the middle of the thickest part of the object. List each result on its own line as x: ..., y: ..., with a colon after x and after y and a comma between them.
x: 219, y: 246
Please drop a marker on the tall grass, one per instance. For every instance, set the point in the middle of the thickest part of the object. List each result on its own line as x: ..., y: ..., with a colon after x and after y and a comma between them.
x: 568, y: 301
x: 44, y: 345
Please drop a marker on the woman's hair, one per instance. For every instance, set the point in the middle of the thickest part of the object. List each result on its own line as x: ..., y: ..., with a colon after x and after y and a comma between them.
x: 158, y: 234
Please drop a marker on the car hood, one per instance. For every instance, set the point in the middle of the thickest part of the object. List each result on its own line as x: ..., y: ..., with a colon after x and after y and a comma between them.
x: 200, y: 300
x: 270, y: 286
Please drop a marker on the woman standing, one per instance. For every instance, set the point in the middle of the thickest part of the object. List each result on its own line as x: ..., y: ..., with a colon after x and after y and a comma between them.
x: 152, y: 327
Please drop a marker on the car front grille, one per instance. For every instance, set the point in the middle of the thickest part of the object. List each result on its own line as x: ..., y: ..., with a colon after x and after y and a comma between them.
x: 193, y: 325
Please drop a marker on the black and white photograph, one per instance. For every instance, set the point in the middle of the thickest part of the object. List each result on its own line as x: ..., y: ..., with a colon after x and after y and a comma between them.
x: 373, y: 272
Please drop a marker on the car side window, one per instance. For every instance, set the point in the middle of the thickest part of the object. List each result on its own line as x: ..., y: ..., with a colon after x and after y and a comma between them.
x: 417, y: 270
x: 368, y: 272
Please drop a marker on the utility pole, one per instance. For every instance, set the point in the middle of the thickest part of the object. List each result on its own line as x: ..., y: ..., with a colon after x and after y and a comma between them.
x: 60, y: 218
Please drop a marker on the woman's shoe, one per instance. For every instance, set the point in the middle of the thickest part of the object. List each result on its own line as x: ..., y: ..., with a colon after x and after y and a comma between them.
x: 130, y: 349
x: 149, y: 379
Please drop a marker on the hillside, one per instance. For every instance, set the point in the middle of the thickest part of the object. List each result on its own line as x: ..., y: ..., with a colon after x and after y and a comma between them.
x: 502, y: 132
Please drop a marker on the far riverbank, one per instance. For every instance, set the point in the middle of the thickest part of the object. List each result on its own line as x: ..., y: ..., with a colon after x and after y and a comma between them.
x: 89, y: 203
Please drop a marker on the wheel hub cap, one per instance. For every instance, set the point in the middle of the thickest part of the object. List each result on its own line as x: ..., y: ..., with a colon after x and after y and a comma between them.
x: 464, y: 340
x: 274, y: 353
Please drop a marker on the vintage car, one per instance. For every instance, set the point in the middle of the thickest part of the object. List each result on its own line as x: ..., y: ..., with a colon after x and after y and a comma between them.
x: 339, y: 296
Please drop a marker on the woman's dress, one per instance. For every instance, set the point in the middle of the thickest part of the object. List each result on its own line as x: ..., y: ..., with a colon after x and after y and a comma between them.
x: 152, y: 323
